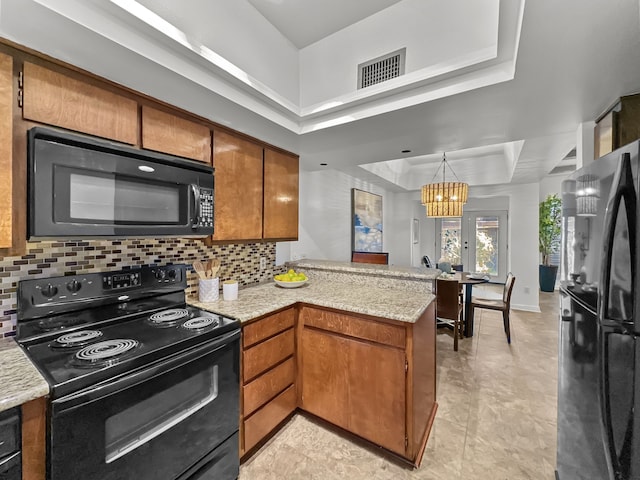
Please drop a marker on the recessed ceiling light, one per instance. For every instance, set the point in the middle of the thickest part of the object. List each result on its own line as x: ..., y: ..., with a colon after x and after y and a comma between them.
x: 406, y: 151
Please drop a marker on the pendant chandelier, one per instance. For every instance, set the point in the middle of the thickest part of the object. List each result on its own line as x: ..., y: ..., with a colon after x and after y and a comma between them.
x: 444, y: 199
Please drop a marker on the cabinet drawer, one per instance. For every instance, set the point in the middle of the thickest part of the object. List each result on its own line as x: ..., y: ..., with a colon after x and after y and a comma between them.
x: 267, y: 327
x: 267, y: 386
x: 267, y: 418
x: 265, y: 355
x: 371, y: 330
x: 9, y: 432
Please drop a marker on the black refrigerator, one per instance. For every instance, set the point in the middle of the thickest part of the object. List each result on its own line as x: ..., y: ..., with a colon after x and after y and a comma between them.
x: 599, y: 343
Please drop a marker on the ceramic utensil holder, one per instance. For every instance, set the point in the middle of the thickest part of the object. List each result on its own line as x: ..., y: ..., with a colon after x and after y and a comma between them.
x: 230, y: 290
x: 208, y: 290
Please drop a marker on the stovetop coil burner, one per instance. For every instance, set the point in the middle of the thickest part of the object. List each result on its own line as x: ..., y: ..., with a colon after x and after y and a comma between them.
x: 200, y: 323
x: 105, y: 352
x: 76, y: 339
x: 168, y: 318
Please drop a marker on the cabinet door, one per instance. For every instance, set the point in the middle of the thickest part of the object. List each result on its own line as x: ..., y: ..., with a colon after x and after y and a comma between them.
x: 325, y: 376
x: 56, y: 99
x: 168, y: 133
x: 238, y: 188
x: 6, y: 151
x: 280, y: 195
x: 377, y: 394
x: 604, y: 135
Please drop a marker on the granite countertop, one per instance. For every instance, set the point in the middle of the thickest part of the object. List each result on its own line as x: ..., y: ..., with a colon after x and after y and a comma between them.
x: 20, y: 380
x: 255, y: 301
x: 394, y: 271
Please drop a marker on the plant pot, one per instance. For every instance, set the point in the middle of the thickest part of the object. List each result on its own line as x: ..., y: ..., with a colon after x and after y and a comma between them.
x: 547, y: 276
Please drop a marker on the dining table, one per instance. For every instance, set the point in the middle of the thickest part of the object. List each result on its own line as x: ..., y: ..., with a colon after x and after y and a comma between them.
x: 469, y: 279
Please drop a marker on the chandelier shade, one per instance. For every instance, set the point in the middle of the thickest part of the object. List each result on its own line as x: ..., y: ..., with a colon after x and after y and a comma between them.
x: 444, y: 199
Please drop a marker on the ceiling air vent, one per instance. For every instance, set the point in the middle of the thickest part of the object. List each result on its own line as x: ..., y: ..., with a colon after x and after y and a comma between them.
x: 381, y: 69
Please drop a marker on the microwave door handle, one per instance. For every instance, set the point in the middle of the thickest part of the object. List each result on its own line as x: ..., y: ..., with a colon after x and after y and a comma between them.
x: 623, y: 190
x: 196, y: 210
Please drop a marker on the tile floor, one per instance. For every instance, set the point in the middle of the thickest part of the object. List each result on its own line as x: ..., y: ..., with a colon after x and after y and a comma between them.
x: 496, y: 417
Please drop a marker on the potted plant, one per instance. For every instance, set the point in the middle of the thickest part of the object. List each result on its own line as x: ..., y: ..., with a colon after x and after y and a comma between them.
x: 549, y: 239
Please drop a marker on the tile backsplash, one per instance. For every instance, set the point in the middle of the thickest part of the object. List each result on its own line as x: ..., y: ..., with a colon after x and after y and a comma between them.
x: 49, y: 259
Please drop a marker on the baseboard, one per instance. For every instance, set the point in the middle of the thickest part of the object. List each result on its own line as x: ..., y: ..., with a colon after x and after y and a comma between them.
x: 525, y: 308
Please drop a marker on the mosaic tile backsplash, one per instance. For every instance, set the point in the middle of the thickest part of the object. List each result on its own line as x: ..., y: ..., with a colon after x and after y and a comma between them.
x: 239, y: 262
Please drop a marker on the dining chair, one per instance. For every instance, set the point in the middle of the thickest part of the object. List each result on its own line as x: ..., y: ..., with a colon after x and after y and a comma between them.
x: 449, y: 307
x: 503, y: 305
x: 381, y: 258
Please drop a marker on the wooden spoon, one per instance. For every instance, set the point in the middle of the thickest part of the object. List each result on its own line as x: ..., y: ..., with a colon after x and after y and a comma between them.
x: 200, y: 269
x: 214, y: 266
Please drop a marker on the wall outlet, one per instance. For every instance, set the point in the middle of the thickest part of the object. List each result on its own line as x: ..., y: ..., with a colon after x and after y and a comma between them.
x: 527, y: 290
x: 263, y: 263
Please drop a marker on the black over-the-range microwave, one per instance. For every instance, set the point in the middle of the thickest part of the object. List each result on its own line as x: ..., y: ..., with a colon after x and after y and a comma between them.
x: 86, y: 187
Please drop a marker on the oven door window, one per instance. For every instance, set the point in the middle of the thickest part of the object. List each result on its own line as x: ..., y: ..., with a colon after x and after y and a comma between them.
x: 139, y: 423
x: 92, y: 197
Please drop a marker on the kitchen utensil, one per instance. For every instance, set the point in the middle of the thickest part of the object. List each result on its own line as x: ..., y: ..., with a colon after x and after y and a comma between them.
x: 200, y: 269
x: 213, y: 265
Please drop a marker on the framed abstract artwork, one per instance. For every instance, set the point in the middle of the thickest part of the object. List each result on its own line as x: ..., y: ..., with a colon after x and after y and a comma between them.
x: 366, y: 217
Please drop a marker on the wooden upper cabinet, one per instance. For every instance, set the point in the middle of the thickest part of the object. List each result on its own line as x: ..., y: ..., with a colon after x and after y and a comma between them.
x: 168, y: 133
x: 238, y: 188
x: 281, y: 177
x: 56, y: 99
x: 6, y: 150
x: 618, y: 126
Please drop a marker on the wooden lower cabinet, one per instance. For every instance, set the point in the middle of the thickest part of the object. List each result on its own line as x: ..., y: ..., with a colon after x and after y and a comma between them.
x: 373, y: 377
x: 268, y: 376
x: 260, y: 424
x: 34, y: 429
x: 356, y: 385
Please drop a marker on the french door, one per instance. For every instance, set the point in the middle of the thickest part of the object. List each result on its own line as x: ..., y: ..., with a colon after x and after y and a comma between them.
x: 477, y: 241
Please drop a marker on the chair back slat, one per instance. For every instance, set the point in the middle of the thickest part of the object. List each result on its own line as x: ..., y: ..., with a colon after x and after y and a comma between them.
x: 447, y: 299
x: 508, y: 289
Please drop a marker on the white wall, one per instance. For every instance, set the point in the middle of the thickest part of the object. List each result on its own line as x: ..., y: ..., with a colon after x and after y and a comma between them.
x: 325, y: 220
x: 551, y: 185
x: 328, y: 68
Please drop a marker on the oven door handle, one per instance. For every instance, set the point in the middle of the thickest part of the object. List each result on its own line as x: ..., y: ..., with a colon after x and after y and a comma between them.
x: 83, y: 397
x: 6, y: 464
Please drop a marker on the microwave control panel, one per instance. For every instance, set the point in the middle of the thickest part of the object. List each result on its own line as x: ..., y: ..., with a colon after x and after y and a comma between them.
x: 206, y: 208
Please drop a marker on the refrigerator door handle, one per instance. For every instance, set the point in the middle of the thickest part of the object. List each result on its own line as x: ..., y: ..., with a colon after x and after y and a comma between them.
x: 617, y: 435
x: 623, y: 189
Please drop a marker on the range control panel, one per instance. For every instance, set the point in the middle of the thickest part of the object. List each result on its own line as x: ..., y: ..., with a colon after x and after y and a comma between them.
x: 59, y: 294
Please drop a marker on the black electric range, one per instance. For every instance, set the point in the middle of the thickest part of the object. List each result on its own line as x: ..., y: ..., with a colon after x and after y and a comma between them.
x: 163, y: 372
